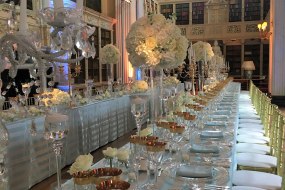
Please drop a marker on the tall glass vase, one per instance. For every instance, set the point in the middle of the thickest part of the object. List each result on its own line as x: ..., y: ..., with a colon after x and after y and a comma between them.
x: 56, y: 131
x: 110, y: 77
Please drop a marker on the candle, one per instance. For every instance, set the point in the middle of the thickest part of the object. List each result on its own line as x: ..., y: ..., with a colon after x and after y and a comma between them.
x: 79, y: 4
x: 23, y: 17
x: 57, y: 4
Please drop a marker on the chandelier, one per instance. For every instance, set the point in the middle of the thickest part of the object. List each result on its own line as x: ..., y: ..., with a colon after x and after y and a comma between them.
x: 67, y: 32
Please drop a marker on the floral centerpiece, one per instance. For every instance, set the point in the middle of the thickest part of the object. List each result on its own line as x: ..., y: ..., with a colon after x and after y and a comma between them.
x: 56, y: 97
x: 170, y: 81
x: 203, y: 50
x: 110, y: 153
x: 110, y: 54
x: 123, y: 156
x: 156, y: 41
x: 82, y: 163
x: 146, y: 132
x: 139, y: 86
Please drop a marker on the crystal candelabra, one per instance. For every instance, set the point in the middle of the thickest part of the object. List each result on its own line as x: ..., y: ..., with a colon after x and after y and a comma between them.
x: 68, y: 32
x: 192, y: 73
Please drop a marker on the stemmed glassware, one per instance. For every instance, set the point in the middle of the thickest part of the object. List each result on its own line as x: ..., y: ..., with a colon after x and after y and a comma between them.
x: 56, y: 131
x: 138, y: 109
x: 155, y: 152
x: 188, y: 85
x: 164, y: 98
x: 26, y: 88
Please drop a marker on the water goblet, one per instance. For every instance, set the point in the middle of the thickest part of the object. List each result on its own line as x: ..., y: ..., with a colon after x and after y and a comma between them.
x: 138, y: 109
x: 155, y: 152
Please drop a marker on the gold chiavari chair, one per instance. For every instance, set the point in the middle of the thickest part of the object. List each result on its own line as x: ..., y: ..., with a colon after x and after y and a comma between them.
x: 243, y: 179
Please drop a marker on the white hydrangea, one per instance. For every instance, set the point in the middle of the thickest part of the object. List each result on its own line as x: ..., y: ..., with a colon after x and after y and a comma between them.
x: 155, y: 41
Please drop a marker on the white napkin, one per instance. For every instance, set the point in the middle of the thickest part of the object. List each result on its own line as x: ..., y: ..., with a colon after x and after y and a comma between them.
x: 212, y: 134
x: 204, y: 149
x: 195, y: 171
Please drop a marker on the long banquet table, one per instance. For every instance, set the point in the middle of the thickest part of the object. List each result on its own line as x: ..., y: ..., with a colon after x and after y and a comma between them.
x: 30, y: 159
x: 228, y: 164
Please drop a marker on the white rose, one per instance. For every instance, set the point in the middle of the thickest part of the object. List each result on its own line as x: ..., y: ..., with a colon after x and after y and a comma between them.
x: 123, y: 155
x: 110, y: 152
x: 82, y: 163
x: 145, y: 132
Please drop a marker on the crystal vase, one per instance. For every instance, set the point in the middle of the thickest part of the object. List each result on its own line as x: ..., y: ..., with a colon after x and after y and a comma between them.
x: 110, y: 77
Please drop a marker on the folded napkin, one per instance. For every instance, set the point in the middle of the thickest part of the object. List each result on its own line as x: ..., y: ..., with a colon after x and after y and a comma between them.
x: 212, y: 134
x: 224, y: 108
x: 195, y: 171
x: 223, y: 112
x: 220, y: 117
x: 204, y: 149
x: 215, y: 123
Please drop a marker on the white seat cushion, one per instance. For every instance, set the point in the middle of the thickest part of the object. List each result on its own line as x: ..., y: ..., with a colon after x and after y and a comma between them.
x: 255, y: 121
x: 255, y: 130
x: 249, y: 116
x: 246, y: 188
x: 252, y: 148
x: 251, y: 125
x: 252, y: 139
x: 257, y: 179
x: 248, y: 132
x: 256, y: 160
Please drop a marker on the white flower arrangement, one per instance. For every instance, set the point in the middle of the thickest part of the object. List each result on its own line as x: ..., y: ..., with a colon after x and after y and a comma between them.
x: 34, y: 111
x: 146, y: 132
x: 110, y: 54
x: 123, y: 155
x: 139, y: 86
x: 56, y: 97
x: 110, y: 152
x: 7, y: 116
x: 81, y: 164
x: 157, y: 42
x: 203, y: 50
x: 170, y: 81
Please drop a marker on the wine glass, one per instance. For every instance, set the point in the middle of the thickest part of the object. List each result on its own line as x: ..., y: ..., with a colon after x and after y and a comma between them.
x: 155, y: 152
x: 56, y: 131
x: 26, y: 88
x: 138, y: 109
x: 188, y: 85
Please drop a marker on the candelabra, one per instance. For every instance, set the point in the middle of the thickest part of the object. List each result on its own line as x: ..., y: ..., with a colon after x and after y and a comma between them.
x: 192, y: 73
x: 76, y: 73
x: 68, y: 31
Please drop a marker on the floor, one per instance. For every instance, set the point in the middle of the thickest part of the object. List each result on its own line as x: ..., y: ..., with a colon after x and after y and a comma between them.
x: 46, y: 184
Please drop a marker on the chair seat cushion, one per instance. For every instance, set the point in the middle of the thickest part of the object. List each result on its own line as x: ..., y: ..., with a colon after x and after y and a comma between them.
x: 251, y: 125
x: 255, y: 121
x: 252, y: 148
x: 252, y: 139
x: 256, y: 160
x: 257, y: 179
x: 253, y: 130
x: 246, y: 188
x: 249, y: 116
x: 251, y: 133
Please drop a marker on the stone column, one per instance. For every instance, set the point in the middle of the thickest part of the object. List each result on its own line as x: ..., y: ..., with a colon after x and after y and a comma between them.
x: 277, y: 55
